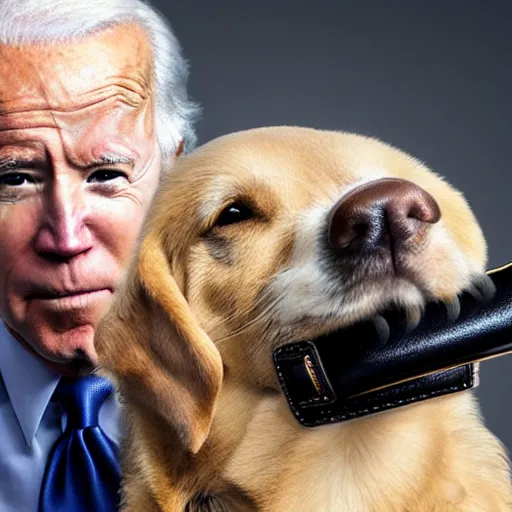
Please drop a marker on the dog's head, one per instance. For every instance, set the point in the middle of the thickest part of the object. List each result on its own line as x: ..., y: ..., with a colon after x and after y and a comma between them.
x: 270, y: 236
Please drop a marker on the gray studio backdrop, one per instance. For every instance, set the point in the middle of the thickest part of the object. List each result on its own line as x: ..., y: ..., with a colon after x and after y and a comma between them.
x: 433, y: 77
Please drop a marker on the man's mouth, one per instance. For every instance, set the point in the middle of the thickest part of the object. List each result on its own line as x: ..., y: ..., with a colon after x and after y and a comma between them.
x: 56, y: 294
x: 70, y: 299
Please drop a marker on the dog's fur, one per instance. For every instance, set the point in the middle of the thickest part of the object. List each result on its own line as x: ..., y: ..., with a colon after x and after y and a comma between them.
x: 189, y: 339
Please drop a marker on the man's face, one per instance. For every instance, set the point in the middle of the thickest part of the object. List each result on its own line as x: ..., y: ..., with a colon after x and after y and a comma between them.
x: 79, y: 165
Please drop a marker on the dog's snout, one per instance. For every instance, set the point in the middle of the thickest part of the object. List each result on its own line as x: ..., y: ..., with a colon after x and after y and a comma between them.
x: 385, y: 212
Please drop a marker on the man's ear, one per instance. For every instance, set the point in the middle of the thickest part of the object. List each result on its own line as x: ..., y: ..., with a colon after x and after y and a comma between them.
x: 158, y: 354
x: 179, y: 151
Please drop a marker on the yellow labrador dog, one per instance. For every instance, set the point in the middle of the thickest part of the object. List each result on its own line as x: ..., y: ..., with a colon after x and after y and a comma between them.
x: 251, y: 243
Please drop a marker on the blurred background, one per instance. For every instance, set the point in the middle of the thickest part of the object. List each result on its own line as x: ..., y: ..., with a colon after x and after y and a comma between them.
x: 432, y: 77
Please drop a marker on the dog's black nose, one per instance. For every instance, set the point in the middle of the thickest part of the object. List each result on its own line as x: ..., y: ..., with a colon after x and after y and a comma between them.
x: 386, y: 212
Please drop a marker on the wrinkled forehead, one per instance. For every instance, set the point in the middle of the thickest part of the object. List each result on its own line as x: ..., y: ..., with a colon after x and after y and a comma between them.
x: 295, y: 168
x: 59, y: 75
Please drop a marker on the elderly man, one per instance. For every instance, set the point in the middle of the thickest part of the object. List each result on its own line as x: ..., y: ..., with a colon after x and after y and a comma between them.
x: 92, y: 103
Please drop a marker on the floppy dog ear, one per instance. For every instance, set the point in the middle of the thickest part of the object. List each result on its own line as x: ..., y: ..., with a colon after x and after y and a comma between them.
x: 160, y: 357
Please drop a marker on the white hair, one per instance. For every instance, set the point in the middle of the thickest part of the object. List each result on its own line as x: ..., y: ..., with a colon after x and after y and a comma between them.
x: 47, y: 21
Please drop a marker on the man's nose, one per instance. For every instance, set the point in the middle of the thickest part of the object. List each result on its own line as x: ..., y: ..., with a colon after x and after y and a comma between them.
x: 383, y: 213
x: 64, y: 231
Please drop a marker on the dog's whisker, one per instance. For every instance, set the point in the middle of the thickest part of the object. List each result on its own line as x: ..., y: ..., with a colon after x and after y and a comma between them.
x: 240, y: 331
x: 238, y: 315
x: 261, y: 316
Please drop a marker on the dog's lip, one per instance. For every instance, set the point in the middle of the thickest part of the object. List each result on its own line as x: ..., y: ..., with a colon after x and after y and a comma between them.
x: 377, y: 328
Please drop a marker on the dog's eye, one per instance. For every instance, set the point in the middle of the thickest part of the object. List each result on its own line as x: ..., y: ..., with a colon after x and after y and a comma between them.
x: 235, y: 212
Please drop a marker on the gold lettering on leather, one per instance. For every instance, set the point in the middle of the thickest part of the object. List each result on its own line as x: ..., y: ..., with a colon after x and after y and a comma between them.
x: 312, y: 374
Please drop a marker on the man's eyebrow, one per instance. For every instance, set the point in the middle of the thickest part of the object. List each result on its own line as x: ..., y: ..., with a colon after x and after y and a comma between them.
x: 15, y: 163
x: 12, y: 164
x: 111, y: 159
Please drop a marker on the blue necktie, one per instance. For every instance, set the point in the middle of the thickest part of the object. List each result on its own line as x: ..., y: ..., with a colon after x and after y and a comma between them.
x: 82, y: 474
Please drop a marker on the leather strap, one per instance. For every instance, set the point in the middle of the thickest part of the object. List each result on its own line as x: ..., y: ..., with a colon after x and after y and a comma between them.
x: 313, y: 413
x: 329, y: 380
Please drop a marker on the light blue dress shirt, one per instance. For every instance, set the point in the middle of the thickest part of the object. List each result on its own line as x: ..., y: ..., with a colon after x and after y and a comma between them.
x: 30, y: 424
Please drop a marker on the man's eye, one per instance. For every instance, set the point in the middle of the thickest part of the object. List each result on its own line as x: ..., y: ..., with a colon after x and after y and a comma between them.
x: 16, y: 179
x: 105, y: 175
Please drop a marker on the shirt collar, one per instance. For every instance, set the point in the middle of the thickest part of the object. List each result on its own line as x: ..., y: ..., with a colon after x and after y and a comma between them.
x: 28, y: 382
